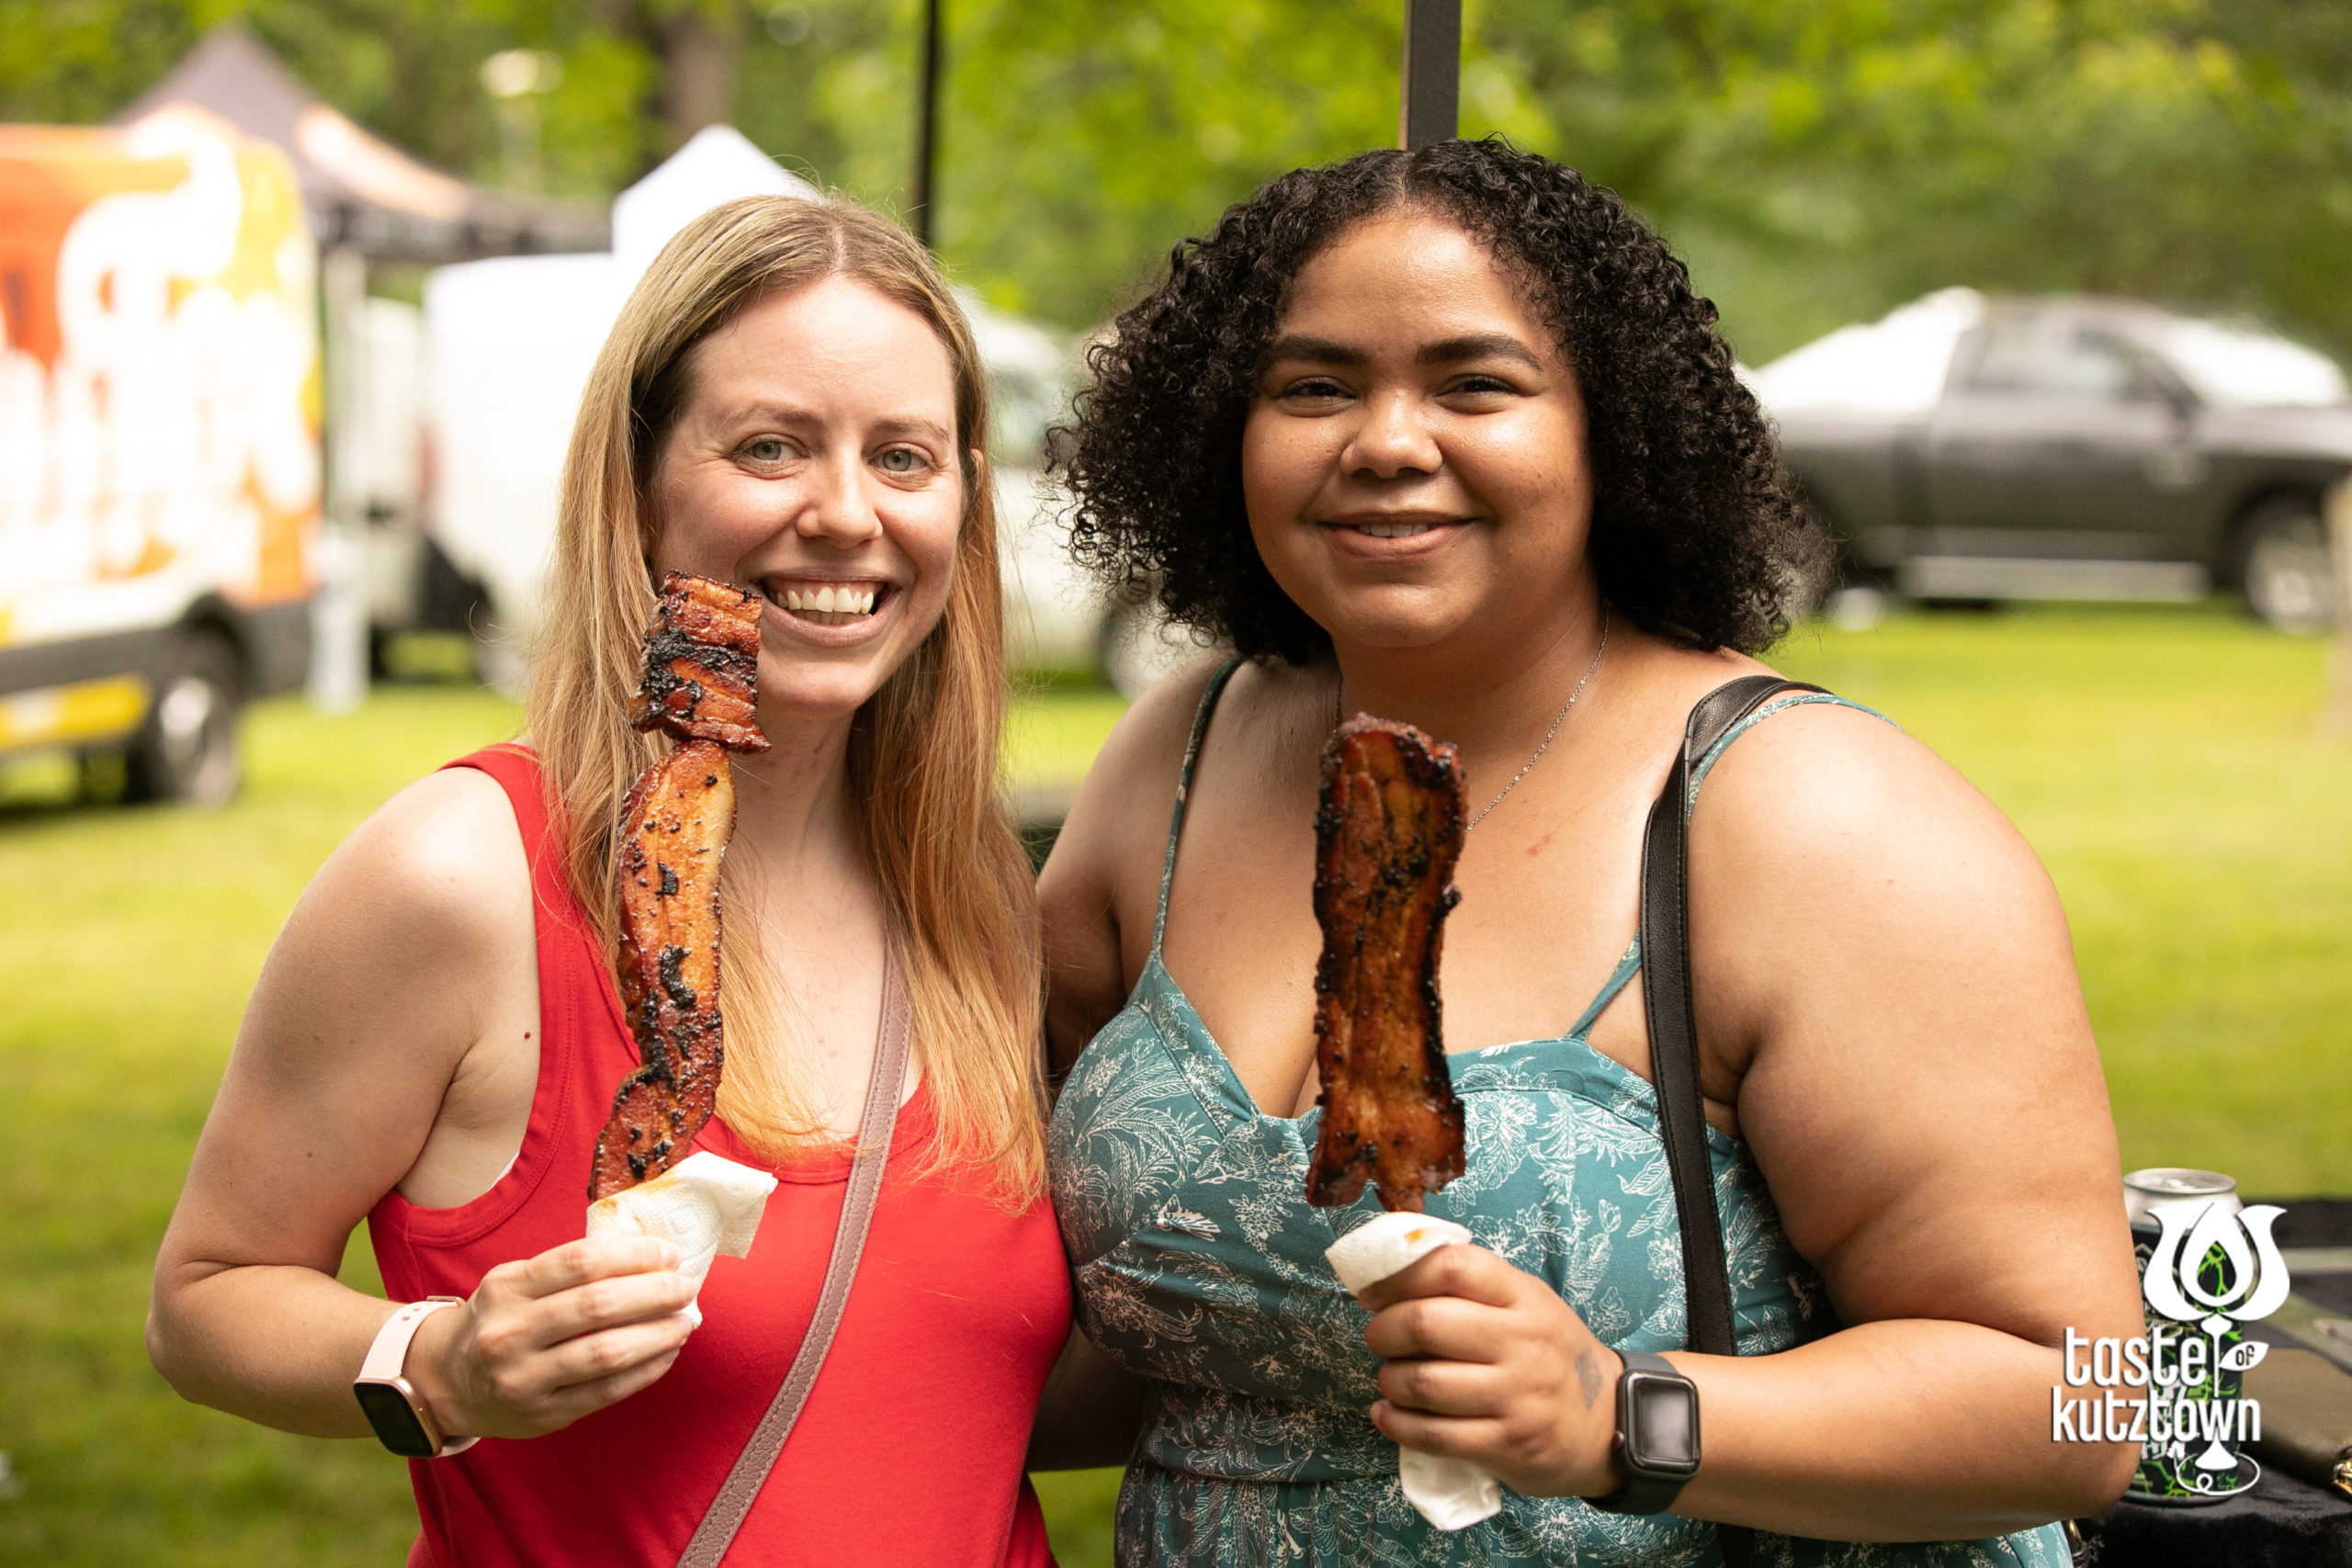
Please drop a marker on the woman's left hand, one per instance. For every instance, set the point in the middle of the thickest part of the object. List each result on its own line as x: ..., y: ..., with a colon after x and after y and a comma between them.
x: 1486, y: 1363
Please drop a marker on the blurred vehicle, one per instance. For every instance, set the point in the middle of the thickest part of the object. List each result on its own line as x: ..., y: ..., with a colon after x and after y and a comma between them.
x: 1983, y: 449
x: 1059, y: 620
x: 507, y: 346
x: 159, y: 443
x: 409, y: 581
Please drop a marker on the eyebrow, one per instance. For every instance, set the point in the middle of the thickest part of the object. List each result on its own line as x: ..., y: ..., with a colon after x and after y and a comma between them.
x: 1449, y: 351
x: 915, y: 426
x: 1478, y: 346
x: 1316, y: 350
x: 786, y: 413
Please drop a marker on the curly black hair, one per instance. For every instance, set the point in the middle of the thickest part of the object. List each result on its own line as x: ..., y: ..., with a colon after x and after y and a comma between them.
x: 1697, y: 533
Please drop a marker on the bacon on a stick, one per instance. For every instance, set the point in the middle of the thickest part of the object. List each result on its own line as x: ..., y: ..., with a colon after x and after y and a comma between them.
x: 1387, y: 832
x: 702, y: 659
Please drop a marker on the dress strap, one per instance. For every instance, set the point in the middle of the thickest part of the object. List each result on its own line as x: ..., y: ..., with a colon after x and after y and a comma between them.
x: 1794, y: 695
x: 1183, y: 787
x: 1618, y: 978
x: 1630, y: 964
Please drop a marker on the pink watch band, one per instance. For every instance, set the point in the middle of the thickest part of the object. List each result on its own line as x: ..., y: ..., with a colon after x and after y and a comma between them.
x: 388, y: 1356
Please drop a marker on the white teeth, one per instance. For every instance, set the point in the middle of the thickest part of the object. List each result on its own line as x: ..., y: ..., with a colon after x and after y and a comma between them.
x: 829, y: 600
x: 1395, y: 530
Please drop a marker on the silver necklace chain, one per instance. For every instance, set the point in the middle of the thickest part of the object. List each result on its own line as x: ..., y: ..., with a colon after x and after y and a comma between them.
x: 1557, y: 719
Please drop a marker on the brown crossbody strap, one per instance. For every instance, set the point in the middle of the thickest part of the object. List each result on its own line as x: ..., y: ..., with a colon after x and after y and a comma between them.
x: 742, y: 1484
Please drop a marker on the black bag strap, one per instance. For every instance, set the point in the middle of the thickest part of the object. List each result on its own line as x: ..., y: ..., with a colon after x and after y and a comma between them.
x: 1674, y: 1035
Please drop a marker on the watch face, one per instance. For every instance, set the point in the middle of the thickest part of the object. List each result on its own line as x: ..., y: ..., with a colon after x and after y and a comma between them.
x: 394, y: 1418
x: 1664, y: 1433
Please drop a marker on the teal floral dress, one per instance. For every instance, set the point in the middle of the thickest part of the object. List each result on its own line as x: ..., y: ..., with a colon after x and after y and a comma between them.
x: 1200, y: 1268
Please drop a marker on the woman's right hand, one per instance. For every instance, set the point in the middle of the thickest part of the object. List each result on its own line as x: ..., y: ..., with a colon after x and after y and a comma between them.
x: 546, y: 1340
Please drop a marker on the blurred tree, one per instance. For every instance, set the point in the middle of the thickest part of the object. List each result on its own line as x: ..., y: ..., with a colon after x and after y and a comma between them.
x: 1819, y: 159
x: 1815, y: 159
x: 407, y: 69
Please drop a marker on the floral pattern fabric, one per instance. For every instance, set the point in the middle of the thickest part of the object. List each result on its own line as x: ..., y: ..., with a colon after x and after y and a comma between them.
x: 1200, y: 1268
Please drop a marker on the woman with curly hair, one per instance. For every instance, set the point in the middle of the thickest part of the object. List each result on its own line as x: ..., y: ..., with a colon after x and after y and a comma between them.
x: 1445, y: 436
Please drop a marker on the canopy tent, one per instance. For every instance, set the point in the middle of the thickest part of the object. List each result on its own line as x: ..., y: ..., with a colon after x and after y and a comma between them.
x: 361, y: 192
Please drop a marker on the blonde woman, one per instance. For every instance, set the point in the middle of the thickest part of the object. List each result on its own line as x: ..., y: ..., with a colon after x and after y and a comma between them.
x: 791, y: 401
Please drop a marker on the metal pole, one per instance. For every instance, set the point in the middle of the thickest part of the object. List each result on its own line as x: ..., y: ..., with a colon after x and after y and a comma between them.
x: 1428, y: 109
x: 338, y: 681
x: 927, y: 141
x: 2336, y: 717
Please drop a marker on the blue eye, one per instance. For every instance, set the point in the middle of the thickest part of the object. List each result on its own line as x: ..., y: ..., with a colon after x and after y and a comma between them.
x: 766, y: 450
x: 901, y: 460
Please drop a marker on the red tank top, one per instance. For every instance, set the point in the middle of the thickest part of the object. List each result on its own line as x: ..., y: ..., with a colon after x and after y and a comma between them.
x: 909, y: 1449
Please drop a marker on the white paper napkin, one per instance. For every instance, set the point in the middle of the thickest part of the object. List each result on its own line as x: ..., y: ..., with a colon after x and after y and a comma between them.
x: 703, y: 1205
x: 1451, y: 1494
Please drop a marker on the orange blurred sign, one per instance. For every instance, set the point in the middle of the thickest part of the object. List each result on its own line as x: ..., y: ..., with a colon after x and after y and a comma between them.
x: 159, y: 375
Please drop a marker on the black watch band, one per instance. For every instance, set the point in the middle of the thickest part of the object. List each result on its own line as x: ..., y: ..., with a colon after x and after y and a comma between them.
x: 1657, y: 1435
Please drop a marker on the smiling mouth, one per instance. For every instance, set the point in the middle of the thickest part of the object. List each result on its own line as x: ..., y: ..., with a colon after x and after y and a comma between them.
x: 1393, y: 528
x: 822, y: 604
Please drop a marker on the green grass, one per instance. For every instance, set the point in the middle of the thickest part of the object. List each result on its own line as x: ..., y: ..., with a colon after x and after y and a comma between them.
x: 2169, y: 767
x: 2166, y: 764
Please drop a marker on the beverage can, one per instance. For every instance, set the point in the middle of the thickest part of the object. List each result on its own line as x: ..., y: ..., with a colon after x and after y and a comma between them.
x: 2197, y: 1458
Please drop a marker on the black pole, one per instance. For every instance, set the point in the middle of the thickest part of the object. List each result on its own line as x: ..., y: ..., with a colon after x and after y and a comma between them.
x: 1430, y: 105
x: 927, y: 142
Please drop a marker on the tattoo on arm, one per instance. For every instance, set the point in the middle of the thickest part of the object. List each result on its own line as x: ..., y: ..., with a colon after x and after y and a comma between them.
x: 1588, y: 1376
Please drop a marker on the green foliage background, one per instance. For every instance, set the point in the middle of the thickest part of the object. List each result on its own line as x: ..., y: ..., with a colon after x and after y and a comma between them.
x: 1817, y: 161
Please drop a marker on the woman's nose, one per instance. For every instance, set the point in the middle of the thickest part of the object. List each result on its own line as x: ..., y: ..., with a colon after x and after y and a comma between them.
x: 1392, y: 439
x: 839, y: 507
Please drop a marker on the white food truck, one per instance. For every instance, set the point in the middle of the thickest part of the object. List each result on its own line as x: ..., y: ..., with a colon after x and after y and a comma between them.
x: 159, y: 442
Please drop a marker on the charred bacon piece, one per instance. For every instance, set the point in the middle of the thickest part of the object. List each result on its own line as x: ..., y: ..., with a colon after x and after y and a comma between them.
x: 701, y: 672
x: 1387, y: 832
x: 702, y: 664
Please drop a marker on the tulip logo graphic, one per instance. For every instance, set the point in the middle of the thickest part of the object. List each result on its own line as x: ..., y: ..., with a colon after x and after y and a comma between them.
x: 2206, y: 1266
x: 2251, y: 1283
x: 2212, y: 1267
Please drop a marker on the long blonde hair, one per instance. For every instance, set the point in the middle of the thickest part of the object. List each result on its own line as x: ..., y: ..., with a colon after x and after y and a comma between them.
x: 923, y: 750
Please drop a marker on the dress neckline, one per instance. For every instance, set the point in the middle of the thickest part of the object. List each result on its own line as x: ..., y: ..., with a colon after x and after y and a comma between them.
x: 1229, y: 1076
x: 1487, y: 1061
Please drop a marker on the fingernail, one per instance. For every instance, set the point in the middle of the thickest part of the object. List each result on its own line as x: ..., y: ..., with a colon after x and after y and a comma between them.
x: 669, y: 1256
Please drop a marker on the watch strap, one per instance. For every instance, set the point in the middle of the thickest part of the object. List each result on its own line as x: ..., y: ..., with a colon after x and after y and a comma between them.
x: 387, y: 1361
x: 1644, y: 1492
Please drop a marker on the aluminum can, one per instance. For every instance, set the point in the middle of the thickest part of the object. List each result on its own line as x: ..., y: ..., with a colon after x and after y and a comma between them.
x: 2193, y: 1470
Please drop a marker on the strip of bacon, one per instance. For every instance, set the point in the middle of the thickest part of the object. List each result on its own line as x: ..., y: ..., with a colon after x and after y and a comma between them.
x: 701, y: 675
x: 1387, y: 832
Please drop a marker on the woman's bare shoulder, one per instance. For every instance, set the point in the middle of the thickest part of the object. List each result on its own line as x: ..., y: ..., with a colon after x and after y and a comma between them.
x: 1094, y: 892
x: 430, y: 895
x: 445, y: 851
x: 1818, y: 785
x: 1132, y: 781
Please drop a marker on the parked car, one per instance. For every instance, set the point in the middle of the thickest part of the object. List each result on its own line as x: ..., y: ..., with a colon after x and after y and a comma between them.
x: 1978, y: 448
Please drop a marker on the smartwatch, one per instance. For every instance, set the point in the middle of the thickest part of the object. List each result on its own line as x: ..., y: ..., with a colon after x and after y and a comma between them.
x: 1657, y: 1435
x: 403, y: 1420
